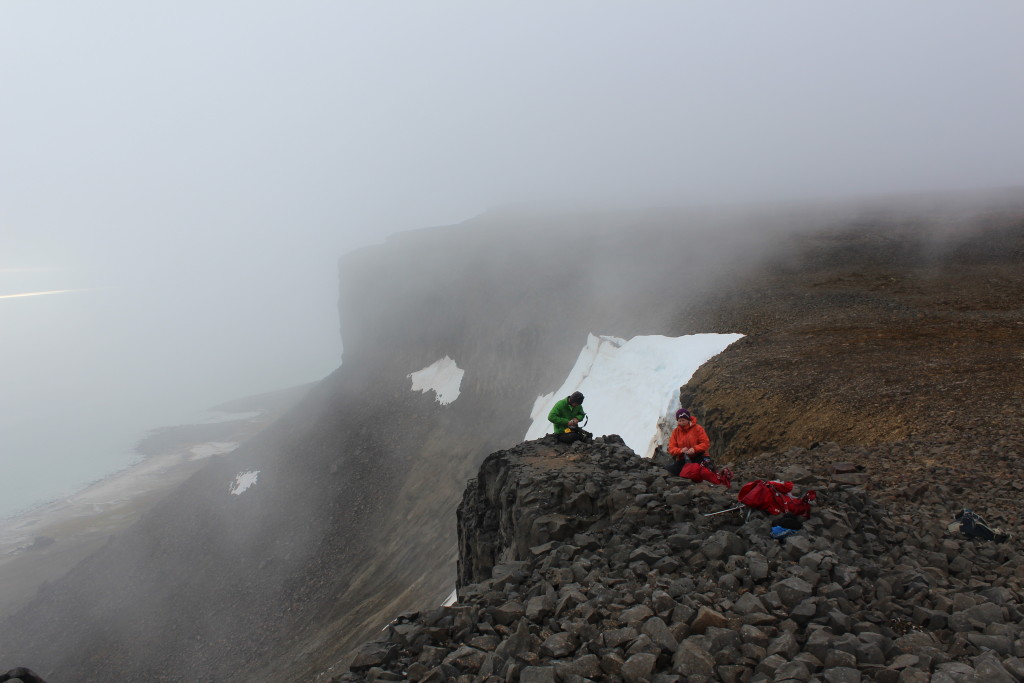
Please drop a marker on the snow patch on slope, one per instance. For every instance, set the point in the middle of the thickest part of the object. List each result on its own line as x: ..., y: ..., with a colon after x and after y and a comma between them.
x: 630, y: 385
x: 243, y: 481
x: 443, y: 377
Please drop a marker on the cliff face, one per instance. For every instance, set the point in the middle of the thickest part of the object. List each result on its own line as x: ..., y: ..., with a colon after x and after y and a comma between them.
x: 351, y: 519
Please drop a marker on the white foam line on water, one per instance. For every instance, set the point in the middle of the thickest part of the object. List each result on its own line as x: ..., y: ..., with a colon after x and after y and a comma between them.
x: 120, y: 488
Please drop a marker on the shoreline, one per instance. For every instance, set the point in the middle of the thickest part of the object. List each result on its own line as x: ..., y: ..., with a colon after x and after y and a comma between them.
x: 43, y: 543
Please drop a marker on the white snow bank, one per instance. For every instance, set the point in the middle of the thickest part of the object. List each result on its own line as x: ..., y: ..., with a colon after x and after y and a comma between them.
x: 629, y: 385
x: 443, y: 377
x: 243, y: 481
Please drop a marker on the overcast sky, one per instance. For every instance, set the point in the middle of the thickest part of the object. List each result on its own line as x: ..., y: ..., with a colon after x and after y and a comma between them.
x: 197, y: 167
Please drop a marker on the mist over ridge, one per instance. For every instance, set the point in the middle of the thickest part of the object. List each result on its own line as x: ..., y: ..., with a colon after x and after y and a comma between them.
x: 179, y: 179
x: 187, y: 175
x: 350, y: 521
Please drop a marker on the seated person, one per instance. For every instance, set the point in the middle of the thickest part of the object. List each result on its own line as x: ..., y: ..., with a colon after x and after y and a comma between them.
x: 688, y: 443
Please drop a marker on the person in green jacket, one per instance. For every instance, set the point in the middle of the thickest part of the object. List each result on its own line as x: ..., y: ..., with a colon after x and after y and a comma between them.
x: 567, y: 413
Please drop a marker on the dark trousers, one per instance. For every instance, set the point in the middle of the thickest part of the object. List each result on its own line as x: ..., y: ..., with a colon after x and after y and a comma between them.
x: 677, y: 465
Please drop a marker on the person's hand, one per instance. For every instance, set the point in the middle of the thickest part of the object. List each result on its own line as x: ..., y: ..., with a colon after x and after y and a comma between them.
x: 573, y: 422
x: 689, y: 451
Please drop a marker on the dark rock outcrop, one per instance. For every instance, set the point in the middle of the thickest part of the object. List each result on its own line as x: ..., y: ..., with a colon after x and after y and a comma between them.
x: 589, y: 563
x: 20, y: 675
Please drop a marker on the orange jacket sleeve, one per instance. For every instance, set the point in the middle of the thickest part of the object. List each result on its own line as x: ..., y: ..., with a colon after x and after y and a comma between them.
x: 702, y: 442
x: 675, y: 445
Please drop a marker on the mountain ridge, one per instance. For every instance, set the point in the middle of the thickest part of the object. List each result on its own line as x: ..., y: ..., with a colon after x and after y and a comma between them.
x: 350, y: 522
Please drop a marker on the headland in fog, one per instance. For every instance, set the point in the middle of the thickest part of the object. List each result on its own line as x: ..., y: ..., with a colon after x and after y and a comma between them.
x: 864, y: 325
x: 41, y: 544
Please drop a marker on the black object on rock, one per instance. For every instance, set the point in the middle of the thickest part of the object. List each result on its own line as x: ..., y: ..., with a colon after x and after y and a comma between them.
x: 789, y: 521
x: 21, y: 674
x: 574, y: 434
x: 973, y: 525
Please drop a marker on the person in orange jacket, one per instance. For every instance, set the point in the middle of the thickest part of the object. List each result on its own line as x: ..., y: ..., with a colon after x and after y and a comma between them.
x: 688, y: 443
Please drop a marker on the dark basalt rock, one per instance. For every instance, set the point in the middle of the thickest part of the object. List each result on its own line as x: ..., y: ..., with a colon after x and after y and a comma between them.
x: 21, y: 675
x: 648, y: 588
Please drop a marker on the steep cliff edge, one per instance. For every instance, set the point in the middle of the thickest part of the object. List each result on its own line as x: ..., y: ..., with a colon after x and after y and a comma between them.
x: 350, y: 521
x: 589, y: 563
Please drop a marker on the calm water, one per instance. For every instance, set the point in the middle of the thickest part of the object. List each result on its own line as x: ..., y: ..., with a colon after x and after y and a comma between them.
x: 84, y: 375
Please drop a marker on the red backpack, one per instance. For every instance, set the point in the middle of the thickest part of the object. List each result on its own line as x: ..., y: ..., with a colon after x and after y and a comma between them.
x: 773, y: 497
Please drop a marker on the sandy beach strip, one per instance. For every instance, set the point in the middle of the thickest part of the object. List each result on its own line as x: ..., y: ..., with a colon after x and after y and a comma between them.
x: 43, y: 544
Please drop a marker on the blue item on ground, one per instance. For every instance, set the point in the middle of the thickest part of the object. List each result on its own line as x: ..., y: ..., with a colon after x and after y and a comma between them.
x: 781, y: 532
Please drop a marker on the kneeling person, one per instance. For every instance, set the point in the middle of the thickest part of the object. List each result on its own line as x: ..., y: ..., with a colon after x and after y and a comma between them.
x: 566, y: 415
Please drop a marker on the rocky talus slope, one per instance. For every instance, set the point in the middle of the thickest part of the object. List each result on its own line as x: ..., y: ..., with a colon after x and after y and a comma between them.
x: 586, y: 562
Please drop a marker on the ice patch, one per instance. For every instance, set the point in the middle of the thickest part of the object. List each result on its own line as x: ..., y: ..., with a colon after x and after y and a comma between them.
x: 451, y: 599
x: 243, y: 481
x: 443, y: 377
x: 630, y: 385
